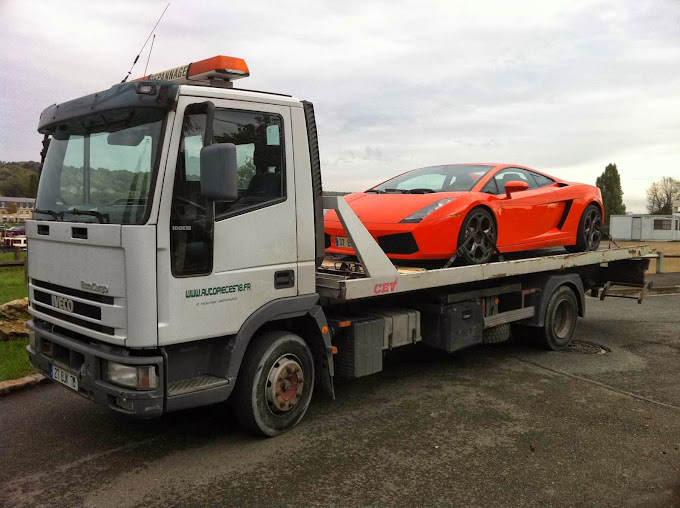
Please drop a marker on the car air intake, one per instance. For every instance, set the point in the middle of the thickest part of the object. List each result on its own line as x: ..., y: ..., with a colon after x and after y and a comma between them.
x: 400, y: 243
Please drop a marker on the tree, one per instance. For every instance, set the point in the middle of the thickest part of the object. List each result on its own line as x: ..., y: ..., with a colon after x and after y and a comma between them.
x: 660, y: 196
x: 609, y: 183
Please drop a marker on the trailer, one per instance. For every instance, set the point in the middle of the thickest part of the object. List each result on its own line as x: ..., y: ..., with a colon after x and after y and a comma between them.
x: 191, y: 268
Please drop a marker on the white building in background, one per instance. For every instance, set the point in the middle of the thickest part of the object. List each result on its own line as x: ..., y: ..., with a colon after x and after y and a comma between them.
x: 646, y: 228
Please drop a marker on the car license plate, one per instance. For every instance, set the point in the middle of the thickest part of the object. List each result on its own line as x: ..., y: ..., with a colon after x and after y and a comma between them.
x: 343, y: 241
x: 65, y: 378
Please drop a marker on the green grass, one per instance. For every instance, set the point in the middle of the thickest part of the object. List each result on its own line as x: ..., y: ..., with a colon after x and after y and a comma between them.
x: 9, y: 256
x: 14, y: 360
x: 12, y: 284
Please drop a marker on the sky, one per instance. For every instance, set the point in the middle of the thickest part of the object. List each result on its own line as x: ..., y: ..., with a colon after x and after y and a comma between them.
x: 562, y: 86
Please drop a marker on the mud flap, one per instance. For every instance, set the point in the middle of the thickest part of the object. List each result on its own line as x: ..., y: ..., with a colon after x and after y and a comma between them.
x: 323, y: 355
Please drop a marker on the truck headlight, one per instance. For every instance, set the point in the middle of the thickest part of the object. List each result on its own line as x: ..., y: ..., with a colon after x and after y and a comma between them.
x: 139, y: 377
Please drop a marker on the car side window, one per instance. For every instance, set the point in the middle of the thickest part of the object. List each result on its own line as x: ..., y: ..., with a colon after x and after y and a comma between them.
x: 491, y: 187
x: 541, y: 180
x: 514, y: 175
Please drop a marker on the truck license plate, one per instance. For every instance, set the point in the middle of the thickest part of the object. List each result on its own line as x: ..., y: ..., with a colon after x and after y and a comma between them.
x: 343, y: 241
x: 65, y: 378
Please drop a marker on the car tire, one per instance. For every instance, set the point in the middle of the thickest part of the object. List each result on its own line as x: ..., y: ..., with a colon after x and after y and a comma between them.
x: 479, y: 222
x: 561, y: 317
x: 275, y: 385
x: 589, y: 232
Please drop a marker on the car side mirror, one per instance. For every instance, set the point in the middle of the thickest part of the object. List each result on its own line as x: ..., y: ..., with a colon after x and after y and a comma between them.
x: 512, y: 187
x: 218, y: 172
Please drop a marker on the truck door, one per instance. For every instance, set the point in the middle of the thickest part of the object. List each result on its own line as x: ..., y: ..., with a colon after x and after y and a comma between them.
x: 213, y: 275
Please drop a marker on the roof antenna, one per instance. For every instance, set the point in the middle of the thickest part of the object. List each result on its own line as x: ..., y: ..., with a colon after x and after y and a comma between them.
x: 149, y: 57
x: 145, y: 43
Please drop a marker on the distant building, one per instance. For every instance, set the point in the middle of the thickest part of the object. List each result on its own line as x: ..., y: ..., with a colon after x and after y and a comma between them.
x: 676, y: 206
x: 646, y: 228
x: 24, y: 209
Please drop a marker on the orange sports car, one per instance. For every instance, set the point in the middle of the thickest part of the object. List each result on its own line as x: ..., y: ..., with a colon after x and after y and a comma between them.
x: 475, y: 209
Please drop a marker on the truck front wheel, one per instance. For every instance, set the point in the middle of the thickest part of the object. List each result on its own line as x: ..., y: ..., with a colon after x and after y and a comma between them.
x: 561, y: 316
x: 275, y: 384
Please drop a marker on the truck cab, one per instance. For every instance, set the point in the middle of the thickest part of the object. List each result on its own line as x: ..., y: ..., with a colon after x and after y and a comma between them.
x: 140, y: 283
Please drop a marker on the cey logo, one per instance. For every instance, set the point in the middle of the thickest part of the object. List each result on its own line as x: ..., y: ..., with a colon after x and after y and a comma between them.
x: 387, y: 287
x: 62, y: 303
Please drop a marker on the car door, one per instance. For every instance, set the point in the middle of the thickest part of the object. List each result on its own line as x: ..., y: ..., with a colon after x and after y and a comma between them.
x: 527, y: 217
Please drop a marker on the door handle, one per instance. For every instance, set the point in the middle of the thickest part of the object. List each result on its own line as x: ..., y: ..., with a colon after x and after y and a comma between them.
x: 284, y: 279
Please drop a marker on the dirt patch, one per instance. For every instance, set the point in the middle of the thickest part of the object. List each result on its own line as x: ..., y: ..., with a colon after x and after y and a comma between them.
x: 672, y: 248
x: 13, y: 317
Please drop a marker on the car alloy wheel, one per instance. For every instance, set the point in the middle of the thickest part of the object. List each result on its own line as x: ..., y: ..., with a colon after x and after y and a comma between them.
x: 478, y: 236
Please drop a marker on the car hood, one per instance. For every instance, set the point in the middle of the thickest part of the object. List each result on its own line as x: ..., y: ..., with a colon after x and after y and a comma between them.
x: 389, y: 208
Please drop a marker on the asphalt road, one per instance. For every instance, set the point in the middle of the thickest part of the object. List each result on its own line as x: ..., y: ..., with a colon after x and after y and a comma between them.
x: 491, y: 426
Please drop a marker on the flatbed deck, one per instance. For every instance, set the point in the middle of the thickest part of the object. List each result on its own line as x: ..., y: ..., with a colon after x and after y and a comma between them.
x: 344, y: 287
x: 378, y: 276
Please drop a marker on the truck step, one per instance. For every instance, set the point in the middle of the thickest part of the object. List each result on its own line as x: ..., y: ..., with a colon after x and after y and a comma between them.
x: 195, y: 384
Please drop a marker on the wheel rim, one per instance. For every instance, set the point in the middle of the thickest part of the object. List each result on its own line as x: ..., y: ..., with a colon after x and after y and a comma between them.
x: 592, y: 229
x: 285, y: 384
x: 481, y: 227
x: 563, y: 320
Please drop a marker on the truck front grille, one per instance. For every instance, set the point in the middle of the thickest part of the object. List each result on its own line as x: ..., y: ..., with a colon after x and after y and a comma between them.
x: 62, y: 307
x: 78, y: 307
x: 73, y: 292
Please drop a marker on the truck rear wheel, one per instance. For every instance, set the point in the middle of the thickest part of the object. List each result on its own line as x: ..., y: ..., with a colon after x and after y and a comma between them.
x: 561, y: 316
x: 275, y: 384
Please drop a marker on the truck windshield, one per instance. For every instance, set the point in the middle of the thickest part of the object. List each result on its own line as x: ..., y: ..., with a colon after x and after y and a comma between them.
x: 101, y: 168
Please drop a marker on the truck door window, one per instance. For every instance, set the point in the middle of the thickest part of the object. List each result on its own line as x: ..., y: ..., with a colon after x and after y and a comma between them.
x: 259, y: 150
x: 190, y: 243
x: 258, y: 137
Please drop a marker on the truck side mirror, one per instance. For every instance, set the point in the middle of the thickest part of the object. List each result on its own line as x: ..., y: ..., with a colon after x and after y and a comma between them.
x: 218, y: 172
x: 511, y: 187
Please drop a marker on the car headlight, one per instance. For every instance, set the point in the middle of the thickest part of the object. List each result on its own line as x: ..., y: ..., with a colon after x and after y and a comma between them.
x: 139, y: 377
x: 424, y: 212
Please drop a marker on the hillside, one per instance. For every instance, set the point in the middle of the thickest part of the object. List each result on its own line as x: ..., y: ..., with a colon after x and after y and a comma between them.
x: 19, y: 179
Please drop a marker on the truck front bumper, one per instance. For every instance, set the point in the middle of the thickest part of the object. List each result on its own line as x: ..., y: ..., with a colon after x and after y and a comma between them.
x: 85, y: 360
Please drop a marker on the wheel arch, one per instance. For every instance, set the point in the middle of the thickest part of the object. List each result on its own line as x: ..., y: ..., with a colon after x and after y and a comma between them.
x: 546, y: 286
x: 596, y: 203
x: 300, y: 315
x: 481, y: 204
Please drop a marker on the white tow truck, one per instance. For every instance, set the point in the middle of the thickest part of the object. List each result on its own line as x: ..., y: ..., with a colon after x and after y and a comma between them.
x: 176, y: 259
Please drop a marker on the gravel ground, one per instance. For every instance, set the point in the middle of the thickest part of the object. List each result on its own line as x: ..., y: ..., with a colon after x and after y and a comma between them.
x: 509, y: 425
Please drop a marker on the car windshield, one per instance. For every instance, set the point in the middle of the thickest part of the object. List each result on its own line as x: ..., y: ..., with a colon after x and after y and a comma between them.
x: 451, y: 178
x: 100, y: 168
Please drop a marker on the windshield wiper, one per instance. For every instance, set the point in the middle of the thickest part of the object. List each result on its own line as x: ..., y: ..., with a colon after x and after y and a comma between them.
x: 400, y: 191
x: 100, y: 216
x: 419, y: 191
x: 47, y: 212
x: 374, y: 190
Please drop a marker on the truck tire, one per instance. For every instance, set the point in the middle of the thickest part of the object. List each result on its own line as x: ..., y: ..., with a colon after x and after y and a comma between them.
x: 561, y: 317
x: 497, y: 334
x: 275, y: 384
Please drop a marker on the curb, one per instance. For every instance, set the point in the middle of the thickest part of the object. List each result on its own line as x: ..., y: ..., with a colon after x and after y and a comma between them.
x: 13, y: 385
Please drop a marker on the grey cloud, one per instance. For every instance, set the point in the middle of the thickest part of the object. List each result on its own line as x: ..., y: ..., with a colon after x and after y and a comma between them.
x: 559, y: 85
